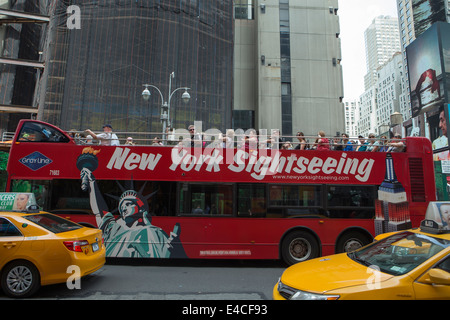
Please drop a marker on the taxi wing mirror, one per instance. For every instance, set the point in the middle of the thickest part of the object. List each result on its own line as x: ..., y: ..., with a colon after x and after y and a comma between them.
x: 439, y: 276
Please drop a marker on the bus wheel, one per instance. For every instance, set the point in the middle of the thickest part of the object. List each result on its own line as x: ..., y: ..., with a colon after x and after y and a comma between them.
x: 352, y: 241
x: 299, y: 246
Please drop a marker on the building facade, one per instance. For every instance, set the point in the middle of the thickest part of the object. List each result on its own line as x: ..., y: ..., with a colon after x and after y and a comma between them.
x: 287, y: 66
x: 415, y: 17
x: 382, y: 41
x: 263, y: 64
x: 351, y: 117
x: 388, y: 90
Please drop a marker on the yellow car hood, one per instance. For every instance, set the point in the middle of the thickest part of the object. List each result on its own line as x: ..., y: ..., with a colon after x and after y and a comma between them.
x: 324, y: 274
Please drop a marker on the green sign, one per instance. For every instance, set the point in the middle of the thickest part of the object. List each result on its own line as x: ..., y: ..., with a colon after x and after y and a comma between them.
x: 16, y: 201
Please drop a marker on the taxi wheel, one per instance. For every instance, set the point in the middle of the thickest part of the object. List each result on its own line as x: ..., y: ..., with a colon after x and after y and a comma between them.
x: 299, y: 246
x: 20, y: 279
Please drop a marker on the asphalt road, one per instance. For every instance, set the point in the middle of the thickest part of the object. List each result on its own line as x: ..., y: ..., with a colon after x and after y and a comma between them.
x: 173, y: 280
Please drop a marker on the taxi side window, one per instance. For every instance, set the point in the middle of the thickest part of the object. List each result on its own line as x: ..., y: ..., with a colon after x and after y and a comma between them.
x: 444, y: 265
x: 7, y: 229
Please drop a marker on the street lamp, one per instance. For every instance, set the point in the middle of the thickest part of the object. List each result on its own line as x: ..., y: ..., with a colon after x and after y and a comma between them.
x: 165, y: 104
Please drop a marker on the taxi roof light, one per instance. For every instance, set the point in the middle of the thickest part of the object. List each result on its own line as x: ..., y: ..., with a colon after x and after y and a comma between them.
x: 437, y: 218
x: 18, y: 201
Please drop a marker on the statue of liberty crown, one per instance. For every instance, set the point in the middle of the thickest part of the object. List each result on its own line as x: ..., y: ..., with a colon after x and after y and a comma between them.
x: 129, y: 194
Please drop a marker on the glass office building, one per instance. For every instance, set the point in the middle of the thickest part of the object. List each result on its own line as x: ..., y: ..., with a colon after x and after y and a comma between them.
x: 101, y: 53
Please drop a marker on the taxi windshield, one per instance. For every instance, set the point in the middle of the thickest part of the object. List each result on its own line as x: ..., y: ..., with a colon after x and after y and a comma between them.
x: 399, y: 253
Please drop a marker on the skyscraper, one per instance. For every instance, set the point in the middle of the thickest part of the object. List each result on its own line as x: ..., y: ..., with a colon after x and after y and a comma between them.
x: 382, y: 41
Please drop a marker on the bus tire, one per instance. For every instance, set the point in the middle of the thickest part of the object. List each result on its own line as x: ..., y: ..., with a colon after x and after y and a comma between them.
x: 20, y: 279
x: 299, y: 246
x: 352, y: 241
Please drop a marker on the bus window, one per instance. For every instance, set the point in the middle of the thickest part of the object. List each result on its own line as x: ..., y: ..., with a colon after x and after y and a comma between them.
x: 251, y: 200
x: 38, y: 132
x: 357, y: 202
x: 295, y: 196
x: 40, y: 188
x: 206, y: 199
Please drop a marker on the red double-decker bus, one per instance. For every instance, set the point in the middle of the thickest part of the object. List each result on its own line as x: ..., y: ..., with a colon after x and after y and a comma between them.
x: 188, y: 202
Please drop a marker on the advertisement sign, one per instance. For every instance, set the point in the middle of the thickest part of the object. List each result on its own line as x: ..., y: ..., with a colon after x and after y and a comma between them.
x: 427, y: 12
x: 16, y: 201
x: 425, y: 72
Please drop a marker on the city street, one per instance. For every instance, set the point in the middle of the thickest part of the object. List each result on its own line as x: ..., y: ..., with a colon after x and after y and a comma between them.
x: 173, y: 280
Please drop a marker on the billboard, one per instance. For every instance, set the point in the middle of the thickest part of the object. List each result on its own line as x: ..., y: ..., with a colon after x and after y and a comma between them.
x: 425, y: 72
x: 427, y: 12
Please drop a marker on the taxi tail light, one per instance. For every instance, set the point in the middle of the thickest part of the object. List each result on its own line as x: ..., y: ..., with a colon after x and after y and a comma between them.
x: 76, y: 246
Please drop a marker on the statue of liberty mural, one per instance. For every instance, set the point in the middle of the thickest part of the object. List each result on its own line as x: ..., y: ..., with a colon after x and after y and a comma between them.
x: 132, y: 234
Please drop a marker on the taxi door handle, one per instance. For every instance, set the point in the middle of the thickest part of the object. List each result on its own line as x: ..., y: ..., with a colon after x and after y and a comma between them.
x: 9, y: 245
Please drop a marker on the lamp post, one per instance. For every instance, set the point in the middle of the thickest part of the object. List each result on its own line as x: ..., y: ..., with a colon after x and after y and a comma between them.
x: 165, y: 104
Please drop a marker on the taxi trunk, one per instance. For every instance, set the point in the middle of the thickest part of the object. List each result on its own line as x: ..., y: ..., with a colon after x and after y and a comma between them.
x: 84, y: 254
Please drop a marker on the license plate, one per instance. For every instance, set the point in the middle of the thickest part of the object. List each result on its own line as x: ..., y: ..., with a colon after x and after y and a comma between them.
x: 95, y: 246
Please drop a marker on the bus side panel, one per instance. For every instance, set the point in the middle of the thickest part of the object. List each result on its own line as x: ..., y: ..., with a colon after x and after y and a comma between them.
x: 246, y: 238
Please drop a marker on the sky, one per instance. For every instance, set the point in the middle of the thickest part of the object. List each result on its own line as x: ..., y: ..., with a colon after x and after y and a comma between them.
x: 354, y: 17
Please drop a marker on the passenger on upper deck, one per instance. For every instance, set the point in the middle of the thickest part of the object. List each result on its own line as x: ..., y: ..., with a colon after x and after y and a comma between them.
x: 347, y: 143
x: 383, y: 144
x: 322, y: 142
x: 362, y: 144
x: 337, y: 144
x: 373, y: 143
x: 107, y: 138
x: 157, y: 142
x: 303, y: 144
x: 196, y: 138
x: 396, y: 144
x: 129, y: 141
x: 228, y: 139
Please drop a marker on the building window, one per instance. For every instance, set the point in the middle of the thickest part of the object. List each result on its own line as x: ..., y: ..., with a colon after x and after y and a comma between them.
x: 244, y: 9
x: 243, y: 119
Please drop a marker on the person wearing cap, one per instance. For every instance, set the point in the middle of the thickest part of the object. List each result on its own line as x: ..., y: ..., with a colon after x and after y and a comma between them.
x: 107, y: 138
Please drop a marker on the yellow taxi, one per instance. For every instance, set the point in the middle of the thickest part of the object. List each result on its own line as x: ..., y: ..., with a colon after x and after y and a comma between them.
x: 405, y: 265
x: 39, y: 248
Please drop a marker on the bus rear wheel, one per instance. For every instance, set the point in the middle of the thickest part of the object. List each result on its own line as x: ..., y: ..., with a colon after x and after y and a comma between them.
x: 352, y: 241
x: 299, y: 246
